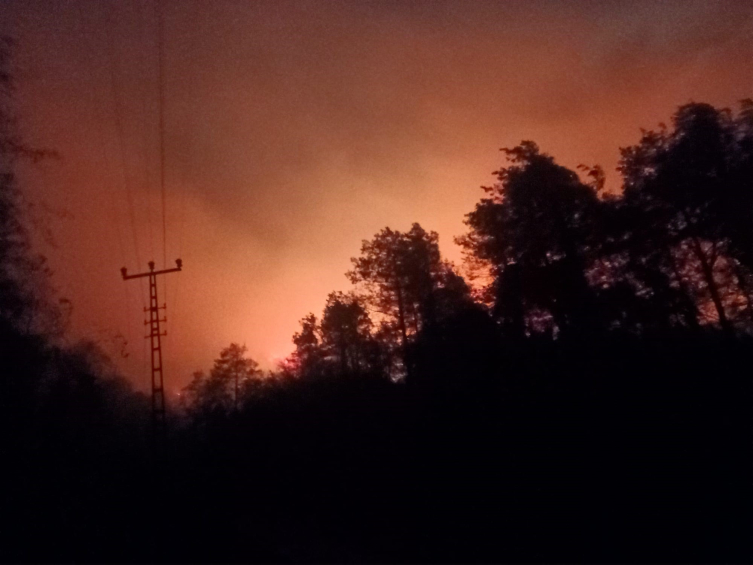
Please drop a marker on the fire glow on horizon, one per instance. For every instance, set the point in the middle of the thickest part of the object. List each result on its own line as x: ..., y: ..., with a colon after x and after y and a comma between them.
x: 295, y: 130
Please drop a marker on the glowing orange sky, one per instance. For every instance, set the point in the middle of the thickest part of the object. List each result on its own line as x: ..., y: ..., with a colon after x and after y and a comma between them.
x: 297, y: 129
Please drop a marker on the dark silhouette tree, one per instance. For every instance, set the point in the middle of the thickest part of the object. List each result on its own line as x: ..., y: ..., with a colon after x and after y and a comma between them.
x: 634, y: 274
x: 233, y: 366
x: 342, y: 343
x: 308, y: 358
x: 231, y: 381
x: 736, y: 209
x: 346, y: 333
x: 535, y: 233
x: 402, y: 277
x: 26, y: 297
x: 683, y: 187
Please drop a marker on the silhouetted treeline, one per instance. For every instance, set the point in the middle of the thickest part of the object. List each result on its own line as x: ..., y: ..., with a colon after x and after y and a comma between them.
x: 583, y: 393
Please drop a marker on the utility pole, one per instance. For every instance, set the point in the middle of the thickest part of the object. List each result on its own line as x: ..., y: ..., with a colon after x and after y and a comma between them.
x: 158, y: 391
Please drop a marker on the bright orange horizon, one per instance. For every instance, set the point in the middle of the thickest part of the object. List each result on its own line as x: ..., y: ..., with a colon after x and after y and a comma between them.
x: 295, y: 130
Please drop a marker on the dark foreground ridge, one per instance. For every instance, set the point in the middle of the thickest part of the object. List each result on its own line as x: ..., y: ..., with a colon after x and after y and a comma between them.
x: 617, y: 449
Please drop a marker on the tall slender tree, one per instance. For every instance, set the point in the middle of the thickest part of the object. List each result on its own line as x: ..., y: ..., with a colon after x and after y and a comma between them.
x: 307, y: 359
x: 398, y: 275
x: 346, y: 332
x: 228, y: 384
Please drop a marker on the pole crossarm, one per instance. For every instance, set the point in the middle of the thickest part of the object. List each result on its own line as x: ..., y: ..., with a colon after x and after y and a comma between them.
x: 151, y: 271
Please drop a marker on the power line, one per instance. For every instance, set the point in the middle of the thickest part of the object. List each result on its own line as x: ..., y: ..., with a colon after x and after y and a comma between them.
x: 113, y: 69
x: 98, y: 123
x: 161, y: 63
x: 98, y: 120
x: 184, y: 185
x: 144, y: 94
x: 121, y: 137
x: 189, y: 145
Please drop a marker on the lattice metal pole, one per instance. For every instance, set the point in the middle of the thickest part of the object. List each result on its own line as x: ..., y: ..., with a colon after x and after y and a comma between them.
x: 155, y: 337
